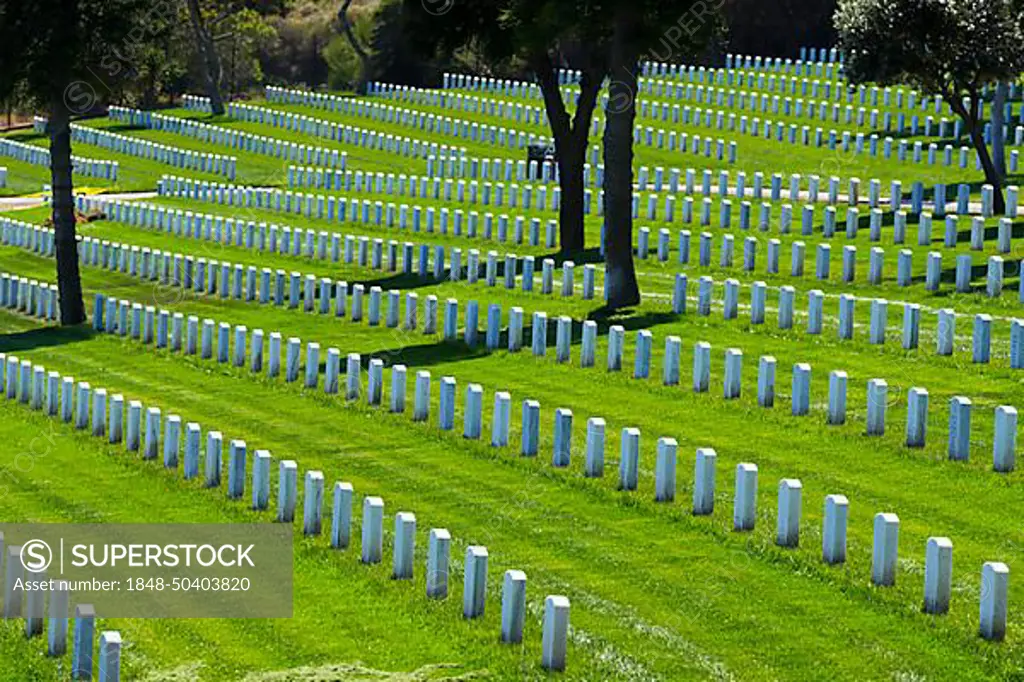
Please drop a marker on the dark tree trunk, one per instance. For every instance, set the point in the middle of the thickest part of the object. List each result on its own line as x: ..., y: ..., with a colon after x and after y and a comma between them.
x: 974, y: 131
x: 998, y: 122
x: 69, y: 281
x: 571, y: 139
x: 991, y: 174
x: 623, y: 290
x: 209, y: 57
x: 364, y: 56
x: 571, y: 230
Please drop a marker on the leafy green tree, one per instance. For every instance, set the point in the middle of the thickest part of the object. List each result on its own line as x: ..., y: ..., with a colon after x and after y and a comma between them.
x: 355, y: 35
x: 61, y: 54
x: 952, y: 48
x: 394, y: 59
x: 295, y: 55
x: 207, y: 49
x: 534, y: 33
x: 230, y: 32
x: 602, y: 39
x: 347, y: 54
x: 778, y: 27
x: 242, y: 33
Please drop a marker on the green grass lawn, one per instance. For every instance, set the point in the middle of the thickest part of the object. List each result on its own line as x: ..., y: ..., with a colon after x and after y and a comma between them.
x: 656, y: 592
x: 609, y: 550
x: 755, y: 153
x: 24, y: 178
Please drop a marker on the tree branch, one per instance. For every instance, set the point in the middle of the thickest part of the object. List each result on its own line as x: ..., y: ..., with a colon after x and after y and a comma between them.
x: 544, y: 69
x: 223, y: 17
x: 975, y: 98
x: 957, y: 107
x: 347, y: 27
x: 590, y: 87
x: 948, y: 91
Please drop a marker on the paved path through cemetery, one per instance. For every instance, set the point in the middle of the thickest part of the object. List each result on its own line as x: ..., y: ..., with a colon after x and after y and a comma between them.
x: 20, y: 203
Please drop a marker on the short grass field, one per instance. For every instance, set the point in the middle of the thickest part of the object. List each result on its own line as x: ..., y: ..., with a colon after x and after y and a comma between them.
x: 656, y: 592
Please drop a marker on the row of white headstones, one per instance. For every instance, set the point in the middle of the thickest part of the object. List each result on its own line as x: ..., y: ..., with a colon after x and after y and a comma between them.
x: 167, y: 330
x: 38, y: 156
x: 406, y: 217
x: 476, y: 162
x: 482, y: 133
x: 202, y: 275
x: 657, y: 104
x: 945, y: 339
x: 147, y: 149
x: 722, y: 116
x: 236, y: 139
x: 30, y: 296
x: 107, y: 664
x: 916, y: 411
x: 86, y: 408
x: 959, y: 417
x: 938, y: 571
x: 530, y: 198
x: 214, y: 277
x: 473, y: 131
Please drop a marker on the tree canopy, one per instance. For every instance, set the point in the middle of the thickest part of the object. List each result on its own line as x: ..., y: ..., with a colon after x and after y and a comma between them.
x: 540, y: 36
x: 948, y: 47
x: 64, y: 55
x: 49, y: 45
x: 952, y: 48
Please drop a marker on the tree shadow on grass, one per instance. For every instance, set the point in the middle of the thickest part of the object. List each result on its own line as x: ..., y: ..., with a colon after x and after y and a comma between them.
x: 44, y: 337
x: 456, y: 350
x: 425, y: 354
x: 408, y: 281
x: 402, y: 281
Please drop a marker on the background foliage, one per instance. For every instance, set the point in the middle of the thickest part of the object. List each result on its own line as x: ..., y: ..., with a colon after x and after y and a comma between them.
x: 300, y: 41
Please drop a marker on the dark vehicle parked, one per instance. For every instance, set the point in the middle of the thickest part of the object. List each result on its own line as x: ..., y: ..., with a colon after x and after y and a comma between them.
x: 541, y: 152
